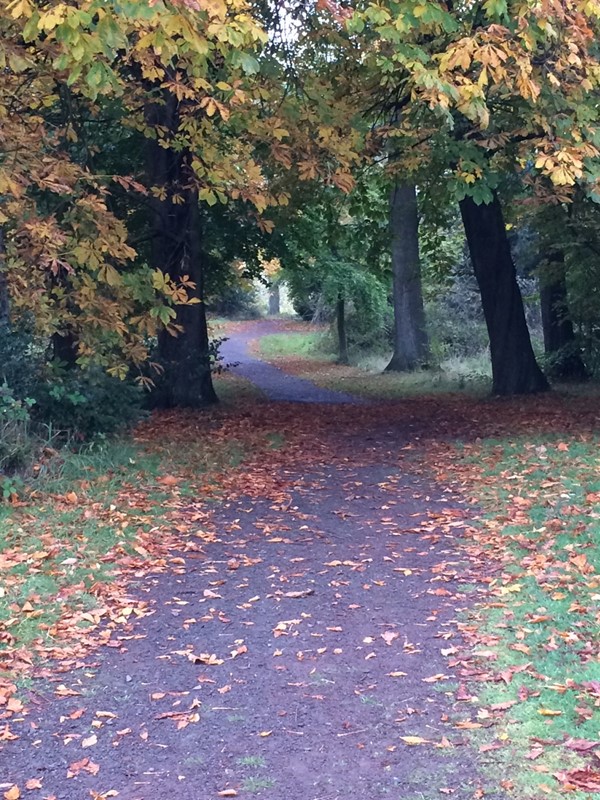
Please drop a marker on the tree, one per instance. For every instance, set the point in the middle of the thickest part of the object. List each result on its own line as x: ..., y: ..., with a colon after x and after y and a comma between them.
x: 411, y: 347
x: 514, y: 368
x: 143, y: 65
x: 474, y: 93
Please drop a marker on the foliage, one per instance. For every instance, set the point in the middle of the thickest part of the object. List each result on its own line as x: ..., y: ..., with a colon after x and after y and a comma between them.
x: 82, y: 403
x: 16, y: 442
x: 571, y: 234
x: 21, y: 359
x: 333, y: 249
x: 483, y: 92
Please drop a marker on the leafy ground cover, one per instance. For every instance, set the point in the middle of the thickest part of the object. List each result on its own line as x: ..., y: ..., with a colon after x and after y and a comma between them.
x: 92, y: 521
x: 534, y: 638
x: 524, y: 687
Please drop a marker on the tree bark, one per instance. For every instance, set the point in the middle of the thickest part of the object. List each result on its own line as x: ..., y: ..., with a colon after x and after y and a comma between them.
x: 177, y: 251
x: 343, y: 357
x: 275, y: 300
x: 186, y: 357
x: 411, y: 345
x: 514, y: 368
x: 559, y: 337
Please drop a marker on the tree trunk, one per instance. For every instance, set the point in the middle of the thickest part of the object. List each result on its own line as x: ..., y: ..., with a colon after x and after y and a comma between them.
x: 514, y: 368
x: 4, y: 296
x: 177, y: 251
x: 343, y: 357
x: 186, y: 357
x: 559, y: 337
x: 275, y: 300
x: 64, y: 348
x: 411, y: 346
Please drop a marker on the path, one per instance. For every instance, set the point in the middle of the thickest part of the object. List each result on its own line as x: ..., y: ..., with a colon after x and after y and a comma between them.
x: 286, y: 661
x: 274, y: 382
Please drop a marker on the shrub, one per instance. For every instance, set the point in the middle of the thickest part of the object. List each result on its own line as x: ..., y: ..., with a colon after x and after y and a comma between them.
x: 16, y: 442
x: 85, y: 403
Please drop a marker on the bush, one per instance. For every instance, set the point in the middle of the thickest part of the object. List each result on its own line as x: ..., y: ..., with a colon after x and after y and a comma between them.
x: 16, y: 443
x: 21, y: 360
x: 85, y: 403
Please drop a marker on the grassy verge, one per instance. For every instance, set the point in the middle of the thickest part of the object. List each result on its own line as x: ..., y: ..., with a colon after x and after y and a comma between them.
x: 534, y: 680
x: 308, y: 345
x: 309, y: 355
x: 94, y: 520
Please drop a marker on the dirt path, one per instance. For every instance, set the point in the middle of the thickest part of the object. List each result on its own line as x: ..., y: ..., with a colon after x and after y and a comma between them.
x: 274, y: 382
x: 286, y: 659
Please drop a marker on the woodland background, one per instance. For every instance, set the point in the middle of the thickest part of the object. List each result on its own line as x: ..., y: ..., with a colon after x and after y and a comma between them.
x: 409, y: 170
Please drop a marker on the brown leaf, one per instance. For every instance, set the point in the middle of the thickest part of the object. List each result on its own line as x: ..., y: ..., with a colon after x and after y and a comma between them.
x: 587, y: 780
x: 581, y: 745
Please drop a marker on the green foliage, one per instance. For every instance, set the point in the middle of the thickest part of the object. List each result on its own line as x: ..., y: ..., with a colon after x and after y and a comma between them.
x: 334, y: 247
x: 85, y: 403
x: 16, y: 442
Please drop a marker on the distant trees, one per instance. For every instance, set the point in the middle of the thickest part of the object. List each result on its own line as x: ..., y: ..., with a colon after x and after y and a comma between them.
x: 126, y: 129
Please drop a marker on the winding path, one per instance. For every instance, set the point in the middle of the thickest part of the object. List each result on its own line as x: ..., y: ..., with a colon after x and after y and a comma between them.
x: 295, y: 655
x: 274, y: 382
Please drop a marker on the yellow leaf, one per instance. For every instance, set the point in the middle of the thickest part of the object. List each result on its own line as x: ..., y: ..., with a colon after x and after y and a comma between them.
x: 414, y: 740
x: 90, y: 741
x: 265, y: 733
x: 515, y: 588
x: 549, y: 712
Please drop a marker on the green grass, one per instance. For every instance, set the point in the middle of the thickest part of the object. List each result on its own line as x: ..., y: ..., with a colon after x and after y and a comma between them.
x: 366, y: 376
x: 310, y: 345
x: 545, y: 610
x: 82, y: 514
x: 251, y: 761
x: 232, y: 389
x: 254, y: 784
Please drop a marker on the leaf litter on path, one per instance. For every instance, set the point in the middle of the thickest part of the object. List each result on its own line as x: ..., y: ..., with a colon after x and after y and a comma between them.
x: 407, y: 520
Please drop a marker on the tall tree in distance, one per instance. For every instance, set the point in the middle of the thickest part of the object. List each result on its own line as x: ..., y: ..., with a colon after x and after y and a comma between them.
x: 411, y: 346
x: 480, y: 93
x: 514, y: 368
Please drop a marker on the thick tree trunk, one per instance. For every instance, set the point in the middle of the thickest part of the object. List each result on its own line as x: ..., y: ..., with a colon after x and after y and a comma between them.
x: 514, y: 368
x: 186, y: 357
x: 275, y: 300
x: 411, y: 346
x: 559, y: 337
x: 343, y: 357
x: 177, y: 251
